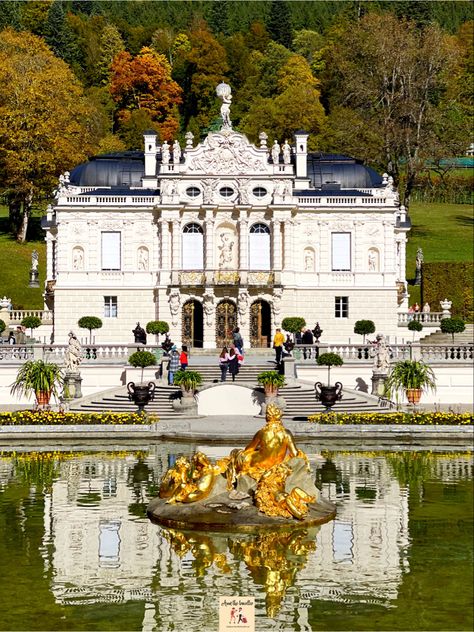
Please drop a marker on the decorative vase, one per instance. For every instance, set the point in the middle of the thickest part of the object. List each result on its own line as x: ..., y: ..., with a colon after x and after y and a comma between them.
x: 328, y: 395
x: 270, y: 390
x: 141, y: 394
x: 414, y: 395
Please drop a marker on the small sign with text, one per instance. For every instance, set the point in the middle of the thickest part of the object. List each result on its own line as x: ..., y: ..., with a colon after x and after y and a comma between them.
x: 236, y: 613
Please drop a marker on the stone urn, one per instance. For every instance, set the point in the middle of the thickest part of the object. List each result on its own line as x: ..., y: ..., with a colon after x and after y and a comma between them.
x: 328, y: 395
x: 141, y: 394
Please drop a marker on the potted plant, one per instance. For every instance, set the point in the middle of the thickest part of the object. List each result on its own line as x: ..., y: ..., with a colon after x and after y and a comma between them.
x: 188, y: 380
x: 415, y: 325
x: 90, y: 323
x: 411, y: 376
x: 452, y: 326
x: 271, y: 382
x: 363, y: 328
x: 141, y: 394
x: 42, y: 379
x: 31, y: 322
x: 329, y: 395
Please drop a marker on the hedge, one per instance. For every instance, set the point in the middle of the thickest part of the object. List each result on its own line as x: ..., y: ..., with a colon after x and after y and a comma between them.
x: 451, y: 280
x: 52, y: 418
x: 397, y: 418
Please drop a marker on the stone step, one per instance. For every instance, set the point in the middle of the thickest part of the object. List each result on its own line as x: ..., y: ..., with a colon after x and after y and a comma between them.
x: 438, y: 338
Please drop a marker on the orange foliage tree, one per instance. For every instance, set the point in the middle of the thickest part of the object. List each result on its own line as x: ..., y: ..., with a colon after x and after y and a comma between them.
x: 144, y: 83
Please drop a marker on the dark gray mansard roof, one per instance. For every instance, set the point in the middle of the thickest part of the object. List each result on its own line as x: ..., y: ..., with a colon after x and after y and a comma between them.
x: 127, y: 168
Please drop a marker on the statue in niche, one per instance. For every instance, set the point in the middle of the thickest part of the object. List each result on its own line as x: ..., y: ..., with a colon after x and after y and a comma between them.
x: 227, y: 250
x: 275, y: 152
x: 175, y: 302
x: 165, y: 153
x: 176, y: 152
x: 34, y: 260
x: 286, y: 153
x: 208, y: 307
x: 77, y: 259
x: 73, y: 356
x: 243, y: 306
x: 372, y: 261
x: 308, y: 260
x: 143, y: 258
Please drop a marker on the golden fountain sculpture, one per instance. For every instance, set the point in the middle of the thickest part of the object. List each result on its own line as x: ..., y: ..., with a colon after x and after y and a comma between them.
x: 268, y: 483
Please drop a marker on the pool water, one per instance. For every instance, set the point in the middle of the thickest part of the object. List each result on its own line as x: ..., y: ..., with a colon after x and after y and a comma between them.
x: 77, y: 551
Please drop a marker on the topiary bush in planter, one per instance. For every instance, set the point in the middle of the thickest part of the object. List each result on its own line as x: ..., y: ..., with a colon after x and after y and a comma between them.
x: 142, y: 359
x: 31, y: 322
x: 329, y: 360
x: 90, y: 323
x: 364, y: 327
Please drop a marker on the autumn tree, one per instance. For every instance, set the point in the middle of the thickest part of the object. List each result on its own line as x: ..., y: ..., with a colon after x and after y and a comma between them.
x: 394, y: 75
x: 46, y: 123
x: 144, y: 83
x: 111, y: 44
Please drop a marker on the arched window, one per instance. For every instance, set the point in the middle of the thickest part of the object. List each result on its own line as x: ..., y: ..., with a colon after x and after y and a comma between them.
x: 192, y: 247
x: 259, y: 247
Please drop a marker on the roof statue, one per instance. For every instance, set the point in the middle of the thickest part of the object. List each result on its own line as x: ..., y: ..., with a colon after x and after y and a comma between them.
x: 223, y: 91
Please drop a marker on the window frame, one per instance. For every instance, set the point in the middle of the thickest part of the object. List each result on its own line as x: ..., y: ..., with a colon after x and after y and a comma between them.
x: 335, y: 266
x: 102, y: 266
x: 341, y: 307
x: 110, y: 307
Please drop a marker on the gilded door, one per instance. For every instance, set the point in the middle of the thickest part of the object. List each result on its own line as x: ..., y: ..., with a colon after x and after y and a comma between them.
x: 260, y: 325
x: 188, y: 323
x: 226, y: 322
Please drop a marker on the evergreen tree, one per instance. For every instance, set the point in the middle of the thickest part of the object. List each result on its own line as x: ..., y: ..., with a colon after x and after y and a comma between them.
x: 279, y: 23
x: 59, y: 35
x: 9, y: 14
x: 111, y: 43
x: 219, y: 17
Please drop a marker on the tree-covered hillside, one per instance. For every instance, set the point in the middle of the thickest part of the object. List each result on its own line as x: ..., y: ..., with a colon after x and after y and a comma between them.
x: 386, y: 81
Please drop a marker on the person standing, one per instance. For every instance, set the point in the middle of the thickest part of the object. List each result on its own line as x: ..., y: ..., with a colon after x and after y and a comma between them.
x: 307, y: 339
x: 183, y: 358
x: 224, y: 363
x: 238, y: 340
x: 11, y: 338
x: 173, y: 365
x: 278, y: 342
x: 233, y: 364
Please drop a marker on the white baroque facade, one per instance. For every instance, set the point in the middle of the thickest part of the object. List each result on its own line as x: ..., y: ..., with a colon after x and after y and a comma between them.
x: 225, y: 234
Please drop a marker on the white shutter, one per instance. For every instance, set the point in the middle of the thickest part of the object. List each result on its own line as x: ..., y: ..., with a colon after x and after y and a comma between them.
x: 110, y: 251
x: 259, y: 251
x: 341, y: 251
x: 193, y: 251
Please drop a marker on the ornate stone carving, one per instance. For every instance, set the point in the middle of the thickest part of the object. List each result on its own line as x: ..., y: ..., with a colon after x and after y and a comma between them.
x: 209, y: 188
x: 77, y: 258
x: 286, y: 153
x: 260, y: 278
x: 223, y: 91
x: 275, y: 152
x: 229, y: 153
x: 226, y: 277
x: 176, y: 152
x: 208, y: 307
x: 142, y: 258
x: 276, y: 305
x: 175, y: 303
x: 191, y: 278
x: 283, y: 191
x: 227, y: 250
x: 165, y: 153
x: 243, y: 306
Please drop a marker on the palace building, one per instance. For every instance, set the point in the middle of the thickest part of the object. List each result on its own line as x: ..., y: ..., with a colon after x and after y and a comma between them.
x: 224, y: 233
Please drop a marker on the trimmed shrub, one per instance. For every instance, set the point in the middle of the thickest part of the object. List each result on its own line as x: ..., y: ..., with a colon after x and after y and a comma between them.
x: 452, y: 326
x: 415, y: 325
x: 90, y: 323
x: 452, y: 280
x: 31, y: 322
x: 157, y: 327
x: 293, y: 324
x: 399, y: 418
x: 2, y: 326
x: 364, y: 327
x: 142, y: 359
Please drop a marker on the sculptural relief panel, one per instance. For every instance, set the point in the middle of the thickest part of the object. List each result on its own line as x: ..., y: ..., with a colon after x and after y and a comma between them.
x: 226, y: 247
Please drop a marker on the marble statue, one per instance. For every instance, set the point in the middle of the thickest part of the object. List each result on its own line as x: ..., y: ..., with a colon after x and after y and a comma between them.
x: 73, y: 356
x: 381, y: 355
x: 176, y: 152
x: 175, y: 302
x: 165, y: 153
x: 227, y: 251
x: 243, y: 306
x: 208, y: 307
x: 286, y: 153
x: 275, y: 152
x: 372, y: 261
x: 223, y: 91
x: 139, y: 334
x: 34, y: 260
x: 143, y: 258
x: 308, y: 261
x: 78, y: 259
x: 419, y: 258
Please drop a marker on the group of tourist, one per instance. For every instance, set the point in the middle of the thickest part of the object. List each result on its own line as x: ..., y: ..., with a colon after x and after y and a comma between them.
x: 232, y: 357
x: 416, y: 309
x: 178, y: 360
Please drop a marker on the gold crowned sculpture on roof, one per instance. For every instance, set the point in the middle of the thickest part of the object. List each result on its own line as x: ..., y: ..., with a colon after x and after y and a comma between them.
x: 269, y: 477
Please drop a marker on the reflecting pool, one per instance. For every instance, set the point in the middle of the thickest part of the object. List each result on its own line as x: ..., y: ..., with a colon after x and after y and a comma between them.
x: 78, y: 553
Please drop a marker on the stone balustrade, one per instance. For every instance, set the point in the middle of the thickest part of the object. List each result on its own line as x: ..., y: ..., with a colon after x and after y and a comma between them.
x: 15, y: 316
x: 109, y: 200
x: 428, y: 319
x: 344, y: 201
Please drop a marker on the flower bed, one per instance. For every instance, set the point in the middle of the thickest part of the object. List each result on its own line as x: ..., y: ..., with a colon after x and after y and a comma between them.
x: 397, y: 418
x: 50, y: 418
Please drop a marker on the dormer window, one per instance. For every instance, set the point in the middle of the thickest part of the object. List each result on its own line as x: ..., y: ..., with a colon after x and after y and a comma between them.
x: 193, y: 192
x: 259, y: 192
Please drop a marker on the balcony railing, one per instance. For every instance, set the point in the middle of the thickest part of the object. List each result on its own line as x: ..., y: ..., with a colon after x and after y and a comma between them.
x: 428, y: 319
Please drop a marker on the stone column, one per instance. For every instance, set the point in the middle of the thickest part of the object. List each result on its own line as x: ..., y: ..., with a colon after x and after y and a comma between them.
x: 50, y: 245
x: 277, y: 243
x: 358, y: 248
x: 176, y: 247
x: 288, y: 259
x: 243, y: 244
x: 388, y: 254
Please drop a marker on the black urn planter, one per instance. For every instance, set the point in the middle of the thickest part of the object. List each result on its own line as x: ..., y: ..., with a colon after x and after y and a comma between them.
x: 141, y: 394
x: 328, y: 395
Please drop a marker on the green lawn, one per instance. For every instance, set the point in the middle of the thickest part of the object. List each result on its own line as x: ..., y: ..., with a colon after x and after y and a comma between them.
x: 443, y: 231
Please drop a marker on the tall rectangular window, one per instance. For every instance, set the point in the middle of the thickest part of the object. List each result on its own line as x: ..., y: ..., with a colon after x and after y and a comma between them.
x: 110, y: 306
x: 341, y: 251
x: 341, y: 307
x: 111, y: 250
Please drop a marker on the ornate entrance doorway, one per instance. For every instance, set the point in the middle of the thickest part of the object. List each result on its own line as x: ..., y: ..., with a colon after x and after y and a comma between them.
x: 226, y: 321
x: 193, y: 324
x: 260, y: 324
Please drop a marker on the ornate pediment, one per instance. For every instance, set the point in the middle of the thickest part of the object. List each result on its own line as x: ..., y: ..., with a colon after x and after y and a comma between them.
x: 226, y: 152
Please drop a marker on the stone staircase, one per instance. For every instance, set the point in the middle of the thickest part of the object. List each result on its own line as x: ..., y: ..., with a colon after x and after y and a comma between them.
x: 438, y: 338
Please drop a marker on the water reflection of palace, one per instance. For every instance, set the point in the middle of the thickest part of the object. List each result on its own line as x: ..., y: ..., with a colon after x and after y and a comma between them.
x: 105, y: 550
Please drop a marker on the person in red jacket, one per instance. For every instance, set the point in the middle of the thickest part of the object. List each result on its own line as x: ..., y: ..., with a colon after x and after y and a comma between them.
x: 183, y: 358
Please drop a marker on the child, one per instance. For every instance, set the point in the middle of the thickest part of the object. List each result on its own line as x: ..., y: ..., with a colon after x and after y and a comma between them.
x: 183, y: 358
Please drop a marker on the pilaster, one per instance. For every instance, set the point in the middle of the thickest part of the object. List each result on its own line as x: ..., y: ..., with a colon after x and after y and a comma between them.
x: 176, y: 245
x: 276, y: 245
x: 244, y: 243
x: 209, y: 237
